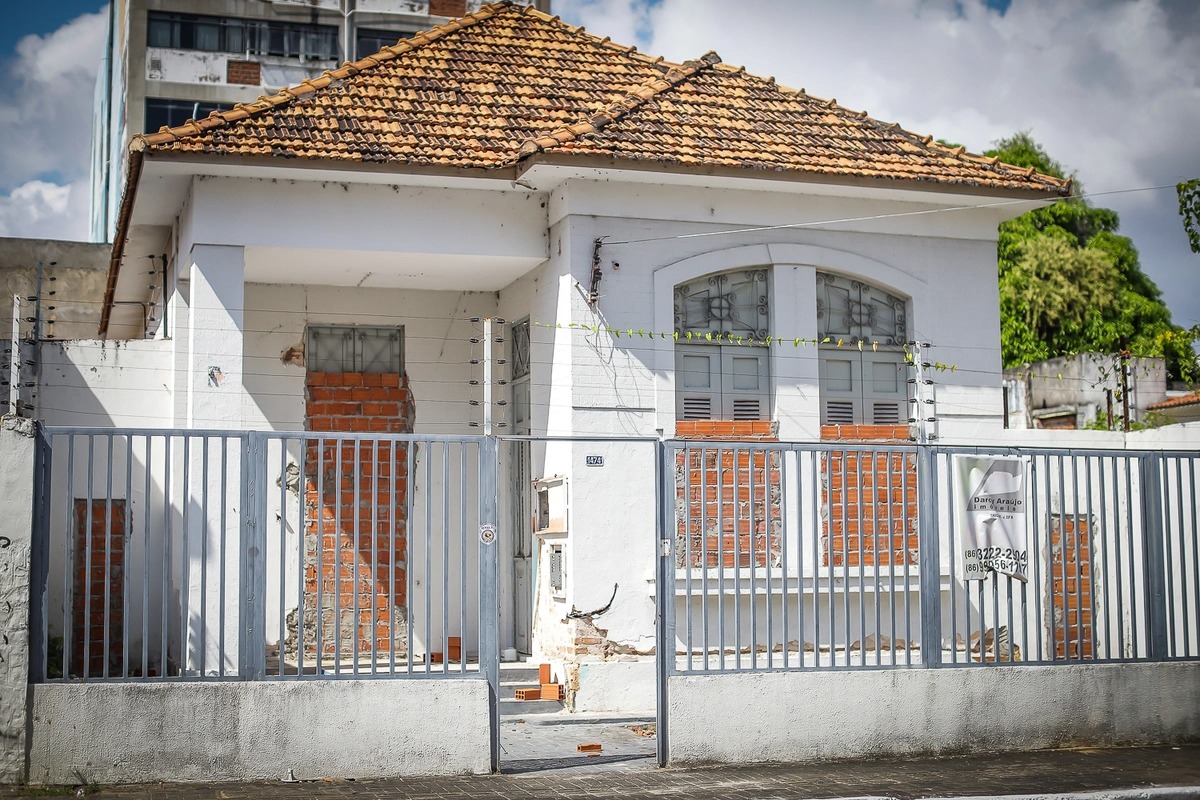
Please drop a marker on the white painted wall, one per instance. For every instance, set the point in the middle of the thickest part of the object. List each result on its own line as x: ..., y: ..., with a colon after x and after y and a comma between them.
x: 16, y: 527
x: 92, y: 382
x: 141, y: 733
x: 791, y: 716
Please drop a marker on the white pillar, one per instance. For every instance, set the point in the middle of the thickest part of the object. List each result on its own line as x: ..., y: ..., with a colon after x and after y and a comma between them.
x: 214, y: 368
x: 215, y: 335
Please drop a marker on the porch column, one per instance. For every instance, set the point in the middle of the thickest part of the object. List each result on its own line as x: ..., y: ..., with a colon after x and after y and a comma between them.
x: 215, y: 400
x: 215, y: 337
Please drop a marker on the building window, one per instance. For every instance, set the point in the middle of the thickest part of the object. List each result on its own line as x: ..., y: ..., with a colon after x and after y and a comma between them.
x: 160, y: 112
x: 344, y: 348
x: 245, y: 36
x: 716, y: 379
x: 864, y: 385
x: 368, y: 41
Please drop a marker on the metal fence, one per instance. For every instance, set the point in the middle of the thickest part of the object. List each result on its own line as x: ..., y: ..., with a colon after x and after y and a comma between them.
x: 209, y: 555
x: 835, y: 556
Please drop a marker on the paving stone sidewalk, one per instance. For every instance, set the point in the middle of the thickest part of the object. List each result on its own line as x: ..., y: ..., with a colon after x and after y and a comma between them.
x: 1114, y: 773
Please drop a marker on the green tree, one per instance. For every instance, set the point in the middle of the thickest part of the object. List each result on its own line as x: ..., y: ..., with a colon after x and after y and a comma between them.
x: 1070, y: 283
x: 1189, y: 209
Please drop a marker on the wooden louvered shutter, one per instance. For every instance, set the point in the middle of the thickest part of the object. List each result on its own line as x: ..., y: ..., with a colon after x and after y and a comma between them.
x: 697, y: 382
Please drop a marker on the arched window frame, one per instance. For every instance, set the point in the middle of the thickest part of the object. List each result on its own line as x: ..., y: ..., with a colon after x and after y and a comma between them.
x: 721, y: 369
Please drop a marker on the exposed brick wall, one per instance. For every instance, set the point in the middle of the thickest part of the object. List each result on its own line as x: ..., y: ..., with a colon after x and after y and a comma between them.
x: 246, y: 73
x: 447, y: 8
x: 870, y: 499
x: 729, y: 500
x: 96, y: 547
x: 355, y: 514
x: 1071, y: 586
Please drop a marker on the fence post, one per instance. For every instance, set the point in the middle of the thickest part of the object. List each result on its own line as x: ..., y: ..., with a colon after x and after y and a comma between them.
x: 18, y: 536
x: 664, y: 597
x: 252, y: 644
x: 489, y: 586
x: 1153, y: 564
x: 930, y: 561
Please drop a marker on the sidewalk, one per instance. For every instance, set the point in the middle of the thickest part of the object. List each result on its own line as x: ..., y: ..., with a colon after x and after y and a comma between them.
x: 1157, y: 773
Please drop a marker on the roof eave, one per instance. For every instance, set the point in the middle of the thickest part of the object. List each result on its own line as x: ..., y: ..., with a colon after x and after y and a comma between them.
x: 133, y: 178
x: 596, y: 161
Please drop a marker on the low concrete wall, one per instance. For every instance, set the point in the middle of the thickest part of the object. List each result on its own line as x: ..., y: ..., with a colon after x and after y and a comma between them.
x: 126, y: 733
x: 625, y: 687
x: 789, y: 716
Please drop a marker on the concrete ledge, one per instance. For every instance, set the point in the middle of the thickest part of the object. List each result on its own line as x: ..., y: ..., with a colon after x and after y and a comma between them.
x: 793, y: 717
x: 138, y: 733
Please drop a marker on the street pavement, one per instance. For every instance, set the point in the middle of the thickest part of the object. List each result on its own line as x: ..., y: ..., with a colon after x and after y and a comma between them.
x: 542, y: 762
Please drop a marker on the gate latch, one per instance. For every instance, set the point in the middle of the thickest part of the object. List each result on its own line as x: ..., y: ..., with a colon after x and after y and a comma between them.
x: 664, y: 547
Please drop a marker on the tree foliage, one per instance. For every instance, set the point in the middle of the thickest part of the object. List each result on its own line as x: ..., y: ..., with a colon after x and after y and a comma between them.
x: 1189, y: 209
x: 1070, y: 283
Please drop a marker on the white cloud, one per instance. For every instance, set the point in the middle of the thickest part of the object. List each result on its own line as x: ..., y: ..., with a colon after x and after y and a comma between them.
x: 46, y: 126
x: 43, y: 210
x: 1111, y: 88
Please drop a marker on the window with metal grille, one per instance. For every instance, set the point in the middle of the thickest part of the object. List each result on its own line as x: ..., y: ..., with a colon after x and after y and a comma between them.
x: 369, y: 41
x: 864, y: 379
x: 163, y: 111
x: 345, y: 348
x: 520, y: 349
x: 246, y: 36
x: 719, y: 379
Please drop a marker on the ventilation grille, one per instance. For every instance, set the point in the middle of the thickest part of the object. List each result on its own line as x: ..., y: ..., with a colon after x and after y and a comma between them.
x: 697, y: 408
x: 886, y: 414
x: 839, y: 412
x: 747, y: 410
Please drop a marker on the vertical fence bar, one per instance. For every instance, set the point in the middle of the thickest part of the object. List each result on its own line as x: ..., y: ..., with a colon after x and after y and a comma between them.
x: 845, y: 519
x: 322, y: 526
x: 862, y: 560
x: 1183, y: 594
x: 489, y: 587
x: 688, y: 505
x: 664, y: 596
x: 204, y: 440
x: 127, y: 534
x: 69, y: 561
x: 930, y: 561
x: 446, y: 556
x: 39, y: 561
x: 753, y: 593
x: 148, y: 506
x: 281, y: 532
x: 462, y: 554
x: 784, y: 516
x: 737, y: 558
x: 356, y: 556
x: 252, y: 647
x: 720, y: 562
x: 826, y: 500
x: 164, y: 624
x: 409, y: 551
x: 891, y: 551
x: 110, y: 439
x: 704, y: 574
x: 1195, y: 542
x: 393, y: 478
x: 1153, y: 563
x: 1135, y: 620
x: 1102, y: 484
x: 429, y: 450
x: 373, y: 572
x: 89, y: 539
x: 1035, y: 549
x: 185, y: 555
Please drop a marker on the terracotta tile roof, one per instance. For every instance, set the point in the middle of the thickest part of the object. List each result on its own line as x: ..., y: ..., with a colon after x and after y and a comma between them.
x: 508, y: 82
x: 1177, y: 402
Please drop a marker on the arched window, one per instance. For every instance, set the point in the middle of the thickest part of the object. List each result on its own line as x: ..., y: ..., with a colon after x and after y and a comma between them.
x: 864, y: 385
x: 715, y: 379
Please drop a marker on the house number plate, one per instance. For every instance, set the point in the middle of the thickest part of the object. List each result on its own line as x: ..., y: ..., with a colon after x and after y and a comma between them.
x: 594, y: 461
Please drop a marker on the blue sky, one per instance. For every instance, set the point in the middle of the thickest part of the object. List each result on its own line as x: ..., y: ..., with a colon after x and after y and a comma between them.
x: 1110, y: 87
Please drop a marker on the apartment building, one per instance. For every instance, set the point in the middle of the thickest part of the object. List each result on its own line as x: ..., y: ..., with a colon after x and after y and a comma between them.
x: 168, y: 61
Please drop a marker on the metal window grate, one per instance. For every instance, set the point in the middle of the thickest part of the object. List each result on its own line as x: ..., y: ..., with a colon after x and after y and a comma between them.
x: 339, y: 348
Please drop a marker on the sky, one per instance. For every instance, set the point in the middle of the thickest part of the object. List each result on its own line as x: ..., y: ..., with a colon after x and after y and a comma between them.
x: 1111, y: 88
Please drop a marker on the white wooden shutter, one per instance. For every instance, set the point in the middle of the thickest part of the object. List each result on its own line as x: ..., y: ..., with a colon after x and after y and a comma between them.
x: 697, y: 381
x: 841, y: 387
x: 744, y: 383
x: 885, y: 388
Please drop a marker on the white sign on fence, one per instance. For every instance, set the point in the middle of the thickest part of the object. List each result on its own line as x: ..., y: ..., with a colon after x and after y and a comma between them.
x: 990, y: 502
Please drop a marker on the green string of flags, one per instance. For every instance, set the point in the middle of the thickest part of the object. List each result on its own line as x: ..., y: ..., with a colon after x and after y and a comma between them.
x: 729, y: 338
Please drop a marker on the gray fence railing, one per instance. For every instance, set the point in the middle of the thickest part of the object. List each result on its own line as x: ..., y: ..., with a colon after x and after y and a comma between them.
x: 208, y: 555
x: 835, y: 556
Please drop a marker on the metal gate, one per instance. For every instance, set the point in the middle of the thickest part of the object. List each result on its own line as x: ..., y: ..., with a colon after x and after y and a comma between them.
x: 838, y: 556
x: 183, y: 555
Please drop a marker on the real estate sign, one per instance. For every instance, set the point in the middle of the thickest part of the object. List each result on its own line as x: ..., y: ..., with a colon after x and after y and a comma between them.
x: 990, y: 503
